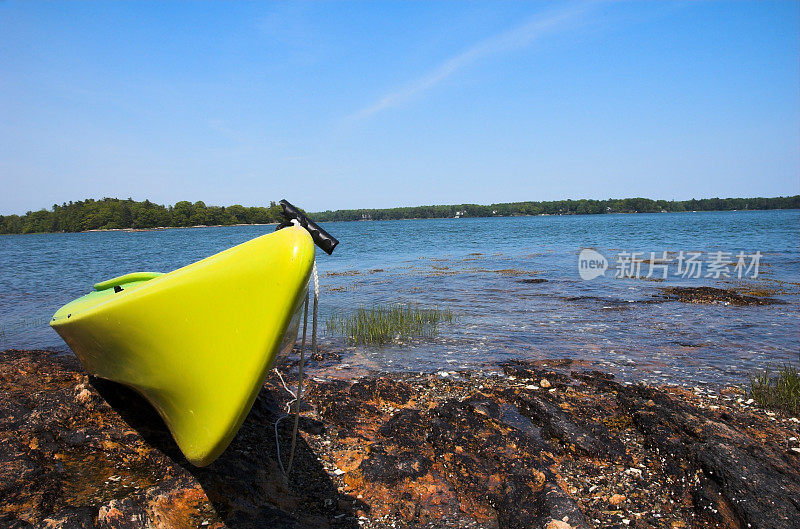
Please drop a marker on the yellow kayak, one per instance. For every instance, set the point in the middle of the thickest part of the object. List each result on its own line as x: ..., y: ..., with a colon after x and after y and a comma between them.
x: 197, y: 342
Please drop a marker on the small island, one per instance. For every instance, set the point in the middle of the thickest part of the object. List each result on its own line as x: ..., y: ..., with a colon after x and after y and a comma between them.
x: 129, y: 214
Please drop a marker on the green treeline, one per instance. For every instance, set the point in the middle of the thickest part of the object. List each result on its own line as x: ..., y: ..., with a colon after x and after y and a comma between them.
x: 114, y: 213
x: 561, y: 207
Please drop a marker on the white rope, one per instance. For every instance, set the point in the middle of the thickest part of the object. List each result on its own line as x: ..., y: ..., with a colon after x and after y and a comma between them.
x: 297, y: 396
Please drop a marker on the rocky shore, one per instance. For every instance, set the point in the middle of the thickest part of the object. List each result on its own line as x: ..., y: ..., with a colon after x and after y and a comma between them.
x: 530, y: 445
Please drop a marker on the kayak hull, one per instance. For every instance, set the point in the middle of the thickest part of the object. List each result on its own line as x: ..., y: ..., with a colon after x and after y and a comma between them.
x: 196, y: 342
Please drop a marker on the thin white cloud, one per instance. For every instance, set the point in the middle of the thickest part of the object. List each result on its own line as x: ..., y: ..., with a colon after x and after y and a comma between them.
x: 540, y: 26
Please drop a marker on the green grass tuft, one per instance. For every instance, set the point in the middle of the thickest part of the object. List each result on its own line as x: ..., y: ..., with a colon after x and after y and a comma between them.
x: 779, y: 392
x: 383, y: 324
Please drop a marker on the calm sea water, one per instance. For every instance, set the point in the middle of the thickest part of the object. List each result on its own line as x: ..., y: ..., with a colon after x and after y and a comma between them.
x: 478, y: 268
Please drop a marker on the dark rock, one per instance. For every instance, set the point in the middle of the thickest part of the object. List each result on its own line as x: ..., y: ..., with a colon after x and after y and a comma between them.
x: 109, y: 453
x: 406, y: 429
x: 77, y: 518
x: 735, y: 482
x: 8, y: 521
x: 390, y: 468
x: 591, y: 437
x: 535, y: 372
x: 382, y: 389
x: 403, y: 451
x: 552, y: 503
x: 74, y: 439
x: 714, y: 295
x: 264, y: 516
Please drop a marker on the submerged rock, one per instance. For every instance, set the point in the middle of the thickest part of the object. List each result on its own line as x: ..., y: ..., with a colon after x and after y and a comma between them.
x: 714, y: 295
x: 399, y: 451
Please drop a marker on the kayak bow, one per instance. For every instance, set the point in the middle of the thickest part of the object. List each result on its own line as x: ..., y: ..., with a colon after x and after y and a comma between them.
x: 196, y: 342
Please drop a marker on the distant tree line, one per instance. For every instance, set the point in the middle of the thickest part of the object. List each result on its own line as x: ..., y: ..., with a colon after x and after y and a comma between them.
x: 114, y: 213
x: 561, y: 207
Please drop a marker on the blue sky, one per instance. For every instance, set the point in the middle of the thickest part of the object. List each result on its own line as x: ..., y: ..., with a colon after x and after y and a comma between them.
x: 341, y: 105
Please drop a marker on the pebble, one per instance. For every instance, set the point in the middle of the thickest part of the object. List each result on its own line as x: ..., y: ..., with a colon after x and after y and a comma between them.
x: 531, y: 386
x: 84, y: 396
x: 545, y: 383
x: 558, y: 524
x: 616, y: 499
x: 338, y: 471
x: 796, y: 449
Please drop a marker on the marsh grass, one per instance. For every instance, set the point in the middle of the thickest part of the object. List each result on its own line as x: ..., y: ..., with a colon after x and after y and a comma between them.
x: 383, y: 324
x: 777, y: 392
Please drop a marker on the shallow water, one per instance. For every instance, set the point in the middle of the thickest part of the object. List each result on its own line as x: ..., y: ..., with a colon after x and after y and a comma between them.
x: 477, y: 268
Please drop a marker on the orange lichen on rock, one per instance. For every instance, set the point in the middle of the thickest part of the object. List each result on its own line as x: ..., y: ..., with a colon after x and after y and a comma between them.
x: 399, y: 450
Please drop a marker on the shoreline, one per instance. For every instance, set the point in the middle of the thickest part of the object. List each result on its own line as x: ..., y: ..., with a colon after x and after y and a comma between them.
x: 161, y: 228
x: 135, y: 230
x: 566, y: 215
x: 552, y: 444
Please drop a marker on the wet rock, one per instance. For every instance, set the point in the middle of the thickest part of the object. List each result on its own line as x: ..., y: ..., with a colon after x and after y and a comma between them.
x: 714, y: 295
x: 554, y: 371
x: 597, y: 379
x: 532, y: 280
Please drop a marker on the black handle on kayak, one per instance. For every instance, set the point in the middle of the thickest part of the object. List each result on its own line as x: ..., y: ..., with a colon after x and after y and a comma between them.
x: 322, y: 238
